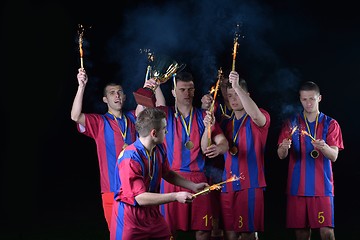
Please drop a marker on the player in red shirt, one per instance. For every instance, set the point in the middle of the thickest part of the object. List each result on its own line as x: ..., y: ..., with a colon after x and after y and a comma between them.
x: 111, y: 131
x: 242, y: 202
x: 139, y: 170
x: 312, y: 141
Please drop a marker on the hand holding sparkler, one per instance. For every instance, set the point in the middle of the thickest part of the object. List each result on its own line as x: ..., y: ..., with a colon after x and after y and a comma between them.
x: 209, y: 121
x: 220, y: 75
x: 218, y: 186
x: 286, y: 143
x: 292, y: 132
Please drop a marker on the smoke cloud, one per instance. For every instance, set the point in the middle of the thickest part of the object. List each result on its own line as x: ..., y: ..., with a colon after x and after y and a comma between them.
x: 201, y: 34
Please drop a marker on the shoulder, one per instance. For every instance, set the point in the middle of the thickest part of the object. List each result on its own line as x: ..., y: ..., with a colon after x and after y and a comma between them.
x: 130, y: 152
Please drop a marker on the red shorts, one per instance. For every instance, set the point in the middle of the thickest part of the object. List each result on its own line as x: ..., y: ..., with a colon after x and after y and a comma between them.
x: 243, y: 211
x: 197, y: 215
x: 138, y: 223
x: 107, y: 202
x: 313, y: 212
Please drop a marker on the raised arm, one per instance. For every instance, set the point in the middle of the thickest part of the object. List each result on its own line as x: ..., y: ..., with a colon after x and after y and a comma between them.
x: 249, y: 105
x: 76, y: 110
x: 160, y: 98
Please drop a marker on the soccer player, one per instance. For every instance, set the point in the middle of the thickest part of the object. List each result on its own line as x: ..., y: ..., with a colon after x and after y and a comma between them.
x: 311, y: 140
x: 112, y: 132
x: 139, y: 170
x: 242, y: 201
x: 187, y: 144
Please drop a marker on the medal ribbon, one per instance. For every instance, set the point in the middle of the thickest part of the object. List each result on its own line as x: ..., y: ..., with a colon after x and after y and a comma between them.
x: 151, y: 159
x: 151, y: 166
x: 187, y: 126
x: 308, y: 127
x: 238, y: 130
x: 224, y: 111
x: 123, y: 134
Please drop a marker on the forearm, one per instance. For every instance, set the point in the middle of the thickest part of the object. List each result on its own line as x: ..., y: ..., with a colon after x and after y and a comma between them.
x: 330, y: 152
x: 160, y: 99
x: 205, y: 138
x: 138, y: 109
x: 76, y: 110
x: 148, y: 198
x: 251, y: 108
x: 222, y: 143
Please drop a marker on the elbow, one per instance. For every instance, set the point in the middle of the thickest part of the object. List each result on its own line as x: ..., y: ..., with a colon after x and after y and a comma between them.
x: 259, y: 119
x: 75, y: 118
x: 78, y: 118
x: 333, y: 158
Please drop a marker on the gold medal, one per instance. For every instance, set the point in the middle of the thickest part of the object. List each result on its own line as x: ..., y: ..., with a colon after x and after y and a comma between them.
x: 314, y: 153
x: 124, y: 146
x: 189, y: 144
x: 233, y: 150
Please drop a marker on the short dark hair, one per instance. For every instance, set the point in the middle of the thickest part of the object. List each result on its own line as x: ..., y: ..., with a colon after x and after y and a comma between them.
x: 184, y: 77
x: 149, y: 119
x: 110, y: 84
x: 309, y: 86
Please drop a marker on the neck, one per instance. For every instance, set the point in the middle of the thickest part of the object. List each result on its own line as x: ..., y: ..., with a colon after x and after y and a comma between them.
x: 147, y: 143
x: 116, y: 113
x: 184, y: 110
x: 311, y: 116
x: 239, y: 114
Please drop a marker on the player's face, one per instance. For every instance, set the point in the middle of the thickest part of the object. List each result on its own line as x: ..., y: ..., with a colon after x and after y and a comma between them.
x: 115, y: 97
x: 310, y: 101
x: 184, y: 93
x: 234, y: 100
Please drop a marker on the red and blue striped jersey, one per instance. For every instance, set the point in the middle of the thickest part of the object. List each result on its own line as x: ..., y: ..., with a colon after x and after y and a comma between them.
x: 105, y: 130
x: 136, y: 173
x: 308, y: 176
x: 182, y: 159
x: 249, y: 161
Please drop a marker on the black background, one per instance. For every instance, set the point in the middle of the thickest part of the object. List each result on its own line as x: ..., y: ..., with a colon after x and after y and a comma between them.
x: 49, y: 172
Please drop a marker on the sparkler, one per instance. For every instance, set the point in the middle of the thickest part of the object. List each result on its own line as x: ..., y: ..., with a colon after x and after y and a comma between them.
x: 81, y: 35
x: 306, y: 133
x: 220, y: 75
x: 215, y: 90
x: 218, y: 186
x: 234, y: 53
x: 293, y: 131
x: 236, y: 44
